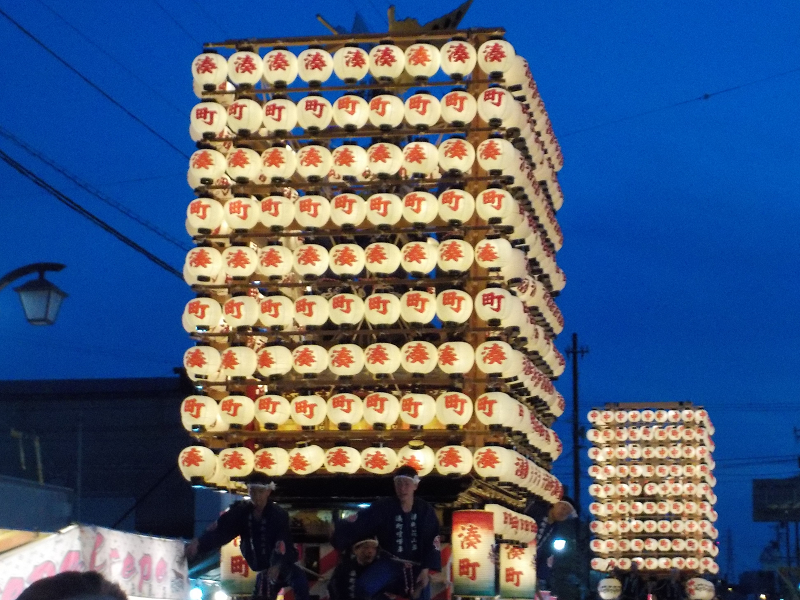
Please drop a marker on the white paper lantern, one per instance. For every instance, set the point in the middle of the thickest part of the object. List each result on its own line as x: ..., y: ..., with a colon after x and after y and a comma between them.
x: 345, y: 360
x: 205, y: 167
x: 382, y: 309
x: 242, y: 213
x: 458, y: 58
x: 453, y: 409
x: 240, y: 311
x: 272, y: 411
x: 456, y: 156
x: 238, y: 261
x: 456, y: 206
x: 458, y: 108
x: 496, y: 205
x: 494, y: 409
x: 245, y: 117
x: 609, y: 589
x: 492, y: 357
x: 350, y: 63
x: 492, y: 253
x: 700, y: 589
x: 280, y: 67
x: 418, y: 358
x: 311, y: 260
x: 455, y: 256
x: 453, y: 460
x: 382, y: 359
x: 382, y: 259
x: 417, y: 307
x: 495, y: 304
x: 384, y: 159
x: 350, y: 161
x: 313, y: 162
x: 420, y: 159
x: 422, y: 110
x: 386, y: 62
x: 495, y: 57
x: 347, y: 260
x: 244, y: 165
x: 238, y: 362
x: 496, y: 106
x: 198, y: 413
x: 202, y: 314
x: 271, y: 461
x: 497, y: 156
x: 384, y: 210
x: 197, y: 463
x: 279, y: 116
x: 422, y: 61
x: 308, y: 411
x: 456, y: 358
x: 309, y: 360
x: 201, y: 362
x: 275, y: 261
x: 420, y: 208
x: 386, y: 111
x: 307, y: 459
x: 314, y: 113
x: 348, y: 210
x: 491, y: 462
x: 342, y: 459
x: 237, y: 463
x: 314, y: 65
x: 208, y: 119
x: 274, y: 361
x: 237, y: 410
x: 418, y: 258
x: 350, y: 112
x: 379, y: 460
x: 278, y: 164
x: 205, y: 214
x: 209, y: 69
x: 311, y: 311
x: 420, y: 457
x: 345, y: 410
x: 276, y: 311
x: 277, y: 212
x: 312, y: 212
x: 245, y: 68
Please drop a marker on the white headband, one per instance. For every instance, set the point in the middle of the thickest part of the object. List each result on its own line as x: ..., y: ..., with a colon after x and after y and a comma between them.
x: 415, y: 478
x: 263, y: 486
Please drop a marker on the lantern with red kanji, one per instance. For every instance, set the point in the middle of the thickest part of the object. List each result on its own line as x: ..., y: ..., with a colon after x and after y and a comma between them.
x: 493, y: 253
x: 458, y: 58
x: 382, y: 309
x: 271, y: 461
x: 350, y: 112
x: 276, y: 311
x: 198, y: 413
x: 310, y: 360
x: 274, y: 361
x: 272, y: 411
x: 347, y: 260
x: 202, y: 313
x: 315, y: 66
x: 197, y: 464
x: 306, y: 459
x: 348, y: 210
x: 238, y: 362
x: 386, y: 62
x: 237, y: 463
x: 456, y: 206
x: 417, y: 307
x: 458, y: 108
x: 239, y: 261
x: 240, y: 310
x: 384, y: 159
x: 455, y: 256
x: 494, y: 409
x: 378, y: 459
x: 346, y: 310
x: 201, y: 362
x: 279, y: 116
x: 204, y: 214
x: 219, y: 480
x: 422, y: 61
x: 381, y: 410
x: 308, y: 411
x: 208, y: 119
x: 345, y: 410
x: 312, y: 212
x: 420, y: 208
x: 342, y: 459
x: 418, y: 358
x: 242, y: 213
x: 275, y: 261
x: 384, y: 210
x: 350, y: 161
x: 314, y: 113
x: 311, y: 260
x: 280, y: 67
x: 494, y: 304
x: 495, y: 57
x: 517, y: 571
x: 453, y: 460
x: 453, y: 409
x: 244, y: 165
x: 417, y: 455
x: 496, y: 106
x: 311, y: 311
x: 245, y: 117
x: 497, y: 156
x: 314, y: 162
x: 237, y: 411
x: 350, y: 63
x: 456, y: 156
x: 456, y: 358
x: 345, y: 360
x: 418, y: 258
x: 492, y: 462
x: 420, y: 159
x: 472, y: 541
x: 422, y: 110
x: 382, y: 359
x: 277, y: 212
x: 382, y: 259
x: 496, y: 205
x: 278, y: 164
x: 245, y: 68
x: 386, y: 111
x: 209, y: 69
x: 205, y: 167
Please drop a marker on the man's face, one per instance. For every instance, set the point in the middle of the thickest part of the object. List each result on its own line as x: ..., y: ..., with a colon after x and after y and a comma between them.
x: 366, y: 553
x: 561, y: 511
x: 404, y: 487
x: 259, y: 496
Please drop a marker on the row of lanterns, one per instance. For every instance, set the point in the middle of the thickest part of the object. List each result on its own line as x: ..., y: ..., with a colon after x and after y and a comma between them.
x: 665, y: 526
x: 639, y: 545
x: 687, y: 416
x: 653, y: 507
x: 624, y: 471
x: 696, y: 588
x: 614, y: 440
x: 664, y: 563
x: 675, y: 486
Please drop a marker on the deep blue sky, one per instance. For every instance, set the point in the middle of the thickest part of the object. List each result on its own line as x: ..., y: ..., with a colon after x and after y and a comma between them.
x: 680, y: 246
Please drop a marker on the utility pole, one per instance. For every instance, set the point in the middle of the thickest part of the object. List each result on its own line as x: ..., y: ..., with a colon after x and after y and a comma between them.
x: 575, y: 353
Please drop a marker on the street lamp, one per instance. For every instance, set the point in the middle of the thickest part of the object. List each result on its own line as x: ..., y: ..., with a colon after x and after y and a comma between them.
x: 40, y: 298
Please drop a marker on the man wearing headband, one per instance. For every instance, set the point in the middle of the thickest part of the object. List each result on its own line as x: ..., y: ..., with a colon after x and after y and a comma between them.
x: 547, y: 517
x: 408, y: 532
x: 342, y: 585
x: 266, y: 541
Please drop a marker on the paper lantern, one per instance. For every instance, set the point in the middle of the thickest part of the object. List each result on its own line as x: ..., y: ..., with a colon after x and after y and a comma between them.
x: 350, y: 112
x: 276, y: 311
x: 417, y: 455
x: 417, y: 410
x: 348, y: 210
x: 386, y: 111
x: 417, y: 307
x: 311, y: 260
x: 237, y: 411
x: 242, y: 213
x: 314, y: 113
x: 345, y: 360
x: 382, y: 259
x: 275, y: 261
x: 346, y: 310
x: 456, y: 156
x: 205, y: 214
x: 279, y: 116
x: 240, y: 311
x: 245, y: 117
x: 418, y: 358
x: 237, y: 463
x: 384, y: 160
x: 244, y: 165
x: 350, y: 161
x: 313, y: 162
x: 492, y: 253
x: 208, y: 119
x: 308, y: 411
x: 456, y: 358
x: 197, y: 463
x: 422, y: 61
x: 386, y: 62
x: 209, y: 69
x: 198, y: 413
x: 271, y: 461
x: 458, y: 58
x: 496, y: 106
x: 314, y: 65
x: 345, y: 410
x: 238, y: 362
x: 453, y: 460
x: 700, y: 589
x: 350, y: 63
x: 277, y: 212
x: 384, y: 210
x: 205, y: 167
x: 497, y: 156
x: 306, y: 459
x: 222, y: 190
x: 278, y: 164
x: 422, y: 110
x: 418, y: 258
x: 494, y: 304
x: 518, y: 571
x: 382, y: 359
x: 609, y: 589
x: 245, y: 68
x: 495, y: 409
x: 458, y: 108
x: 382, y: 309
x: 453, y: 409
x: 274, y: 361
x: 201, y: 362
x: 309, y: 359
x: 495, y: 57
x: 493, y: 357
x: 453, y: 307
x: 312, y: 212
x: 311, y: 311
x: 420, y: 208
x: 280, y: 67
x: 202, y: 313
x: 496, y: 205
x: 379, y: 460
x: 342, y: 459
x: 472, y: 541
x: 420, y: 159
x: 272, y: 411
x: 347, y: 260
x: 456, y: 206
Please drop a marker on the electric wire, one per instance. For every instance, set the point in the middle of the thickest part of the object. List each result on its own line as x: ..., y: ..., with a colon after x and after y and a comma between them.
x: 177, y: 24
x: 64, y: 199
x: 94, y: 192
x: 92, y: 84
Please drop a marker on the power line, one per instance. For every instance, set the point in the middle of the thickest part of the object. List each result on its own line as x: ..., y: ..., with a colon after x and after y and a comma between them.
x: 82, y: 211
x: 94, y: 192
x: 177, y: 24
x: 100, y: 90
x: 676, y: 104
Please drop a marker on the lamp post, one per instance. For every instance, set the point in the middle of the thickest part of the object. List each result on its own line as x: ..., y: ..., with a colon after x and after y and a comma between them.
x: 40, y: 298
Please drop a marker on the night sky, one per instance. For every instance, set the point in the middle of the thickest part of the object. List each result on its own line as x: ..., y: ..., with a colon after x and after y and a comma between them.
x: 679, y: 213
